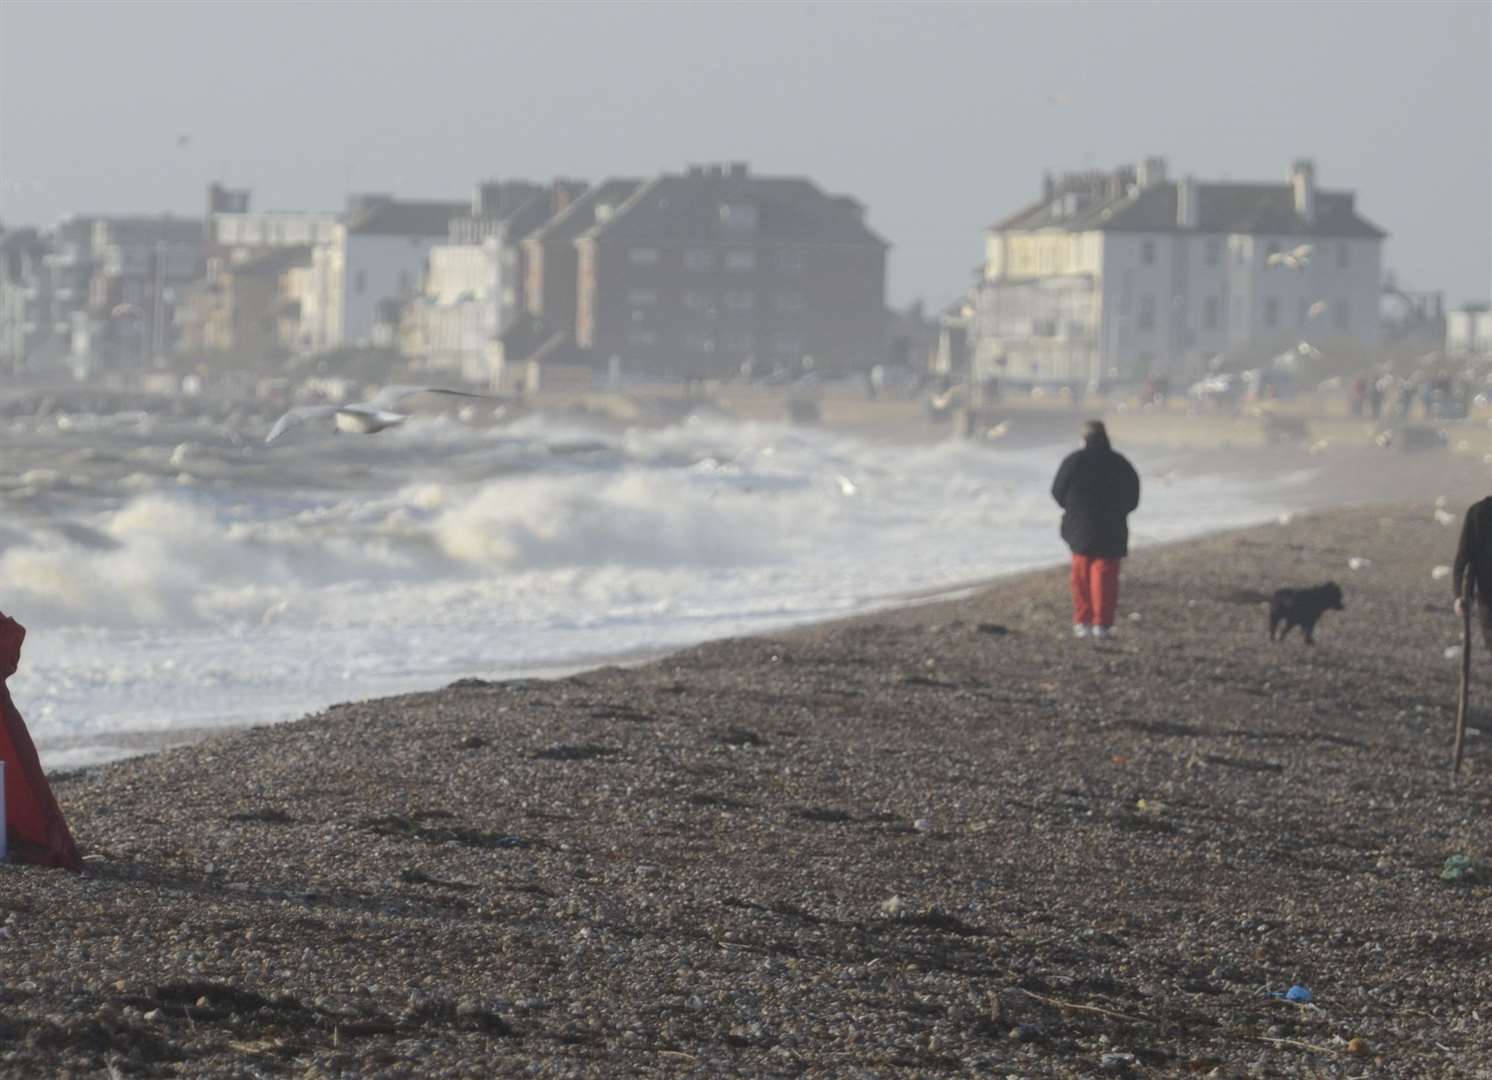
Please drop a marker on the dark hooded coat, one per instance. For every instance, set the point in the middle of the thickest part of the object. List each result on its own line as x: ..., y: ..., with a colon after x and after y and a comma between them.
x: 1097, y: 489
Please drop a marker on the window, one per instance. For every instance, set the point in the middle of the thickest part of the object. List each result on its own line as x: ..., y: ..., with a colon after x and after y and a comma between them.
x: 790, y: 261
x: 741, y: 216
x: 740, y: 259
x: 699, y: 259
x: 1147, y: 252
x: 1271, y: 311
x: 789, y: 301
x: 642, y: 256
x: 695, y: 300
x: 1210, y: 313
x: 1342, y: 254
x: 787, y: 344
x: 1212, y: 251
x: 1340, y: 314
x: 1146, y: 319
x: 740, y: 301
x: 360, y: 282
x: 698, y: 341
x: 642, y: 297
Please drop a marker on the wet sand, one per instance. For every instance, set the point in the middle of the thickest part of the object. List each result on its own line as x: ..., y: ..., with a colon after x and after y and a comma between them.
x: 941, y: 840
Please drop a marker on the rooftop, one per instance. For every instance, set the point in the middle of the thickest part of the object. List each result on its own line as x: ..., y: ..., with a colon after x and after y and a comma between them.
x: 728, y: 202
x: 1082, y: 203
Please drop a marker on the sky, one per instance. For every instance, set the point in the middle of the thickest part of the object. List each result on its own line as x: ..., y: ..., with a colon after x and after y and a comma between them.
x: 939, y: 117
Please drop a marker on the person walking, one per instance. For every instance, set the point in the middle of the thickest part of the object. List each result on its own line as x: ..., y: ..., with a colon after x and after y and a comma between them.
x: 1097, y: 489
x: 1474, y: 558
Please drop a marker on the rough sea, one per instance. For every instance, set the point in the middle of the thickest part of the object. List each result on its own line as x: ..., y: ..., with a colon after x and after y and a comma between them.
x: 175, y: 573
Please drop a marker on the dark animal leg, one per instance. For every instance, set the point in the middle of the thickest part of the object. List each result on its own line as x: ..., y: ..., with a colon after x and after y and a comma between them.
x: 1274, y: 623
x: 1309, y: 629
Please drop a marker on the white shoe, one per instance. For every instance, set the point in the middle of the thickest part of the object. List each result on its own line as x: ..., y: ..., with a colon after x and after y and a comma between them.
x: 1103, y: 633
x: 1079, y: 630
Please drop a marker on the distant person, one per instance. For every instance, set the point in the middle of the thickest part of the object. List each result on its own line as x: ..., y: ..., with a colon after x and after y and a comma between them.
x: 1097, y: 489
x: 1375, y: 399
x: 1474, y: 558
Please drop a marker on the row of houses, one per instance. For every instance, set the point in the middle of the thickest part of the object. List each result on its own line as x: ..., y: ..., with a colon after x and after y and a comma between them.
x: 716, y: 272
x: 707, y: 273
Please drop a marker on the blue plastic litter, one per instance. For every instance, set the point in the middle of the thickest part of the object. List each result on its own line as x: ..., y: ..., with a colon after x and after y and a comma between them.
x: 1300, y: 995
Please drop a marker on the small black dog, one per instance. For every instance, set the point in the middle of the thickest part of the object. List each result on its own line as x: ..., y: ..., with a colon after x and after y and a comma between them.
x: 1302, y: 608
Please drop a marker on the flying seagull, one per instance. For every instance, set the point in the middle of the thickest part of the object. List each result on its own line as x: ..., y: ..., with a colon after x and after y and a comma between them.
x: 362, y: 417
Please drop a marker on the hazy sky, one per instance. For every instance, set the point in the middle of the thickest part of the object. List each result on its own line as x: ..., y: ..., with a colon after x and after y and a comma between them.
x: 939, y: 117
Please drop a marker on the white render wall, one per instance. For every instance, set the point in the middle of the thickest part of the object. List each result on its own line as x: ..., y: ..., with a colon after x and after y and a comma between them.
x: 1176, y: 285
x: 377, y: 268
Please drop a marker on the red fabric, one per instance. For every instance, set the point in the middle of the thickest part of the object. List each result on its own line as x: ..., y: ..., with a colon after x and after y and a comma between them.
x: 1095, y: 590
x: 36, y: 830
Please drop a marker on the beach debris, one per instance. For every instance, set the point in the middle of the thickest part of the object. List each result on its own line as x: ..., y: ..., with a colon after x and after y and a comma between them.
x: 1319, y: 446
x: 1357, y: 562
x: 891, y: 906
x: 999, y: 431
x: 739, y: 736
x: 1452, y: 652
x: 1285, y: 518
x: 1357, y: 1045
x: 1445, y: 517
x: 1442, y: 501
x: 1440, y: 572
x: 1296, y: 995
x: 1134, y: 616
x: 922, y: 824
x: 1117, y: 1062
x: 1458, y: 868
x: 847, y: 487
x: 997, y: 629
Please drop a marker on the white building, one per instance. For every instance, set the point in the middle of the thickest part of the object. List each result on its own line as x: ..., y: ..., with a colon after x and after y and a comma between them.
x: 453, y: 325
x: 1115, y: 277
x: 1468, y: 331
x: 369, y: 264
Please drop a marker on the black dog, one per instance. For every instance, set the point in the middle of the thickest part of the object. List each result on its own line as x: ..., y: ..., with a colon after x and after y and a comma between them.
x: 1302, y: 608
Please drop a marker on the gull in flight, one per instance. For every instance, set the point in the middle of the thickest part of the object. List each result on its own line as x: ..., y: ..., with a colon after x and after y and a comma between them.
x: 362, y: 417
x: 1295, y: 260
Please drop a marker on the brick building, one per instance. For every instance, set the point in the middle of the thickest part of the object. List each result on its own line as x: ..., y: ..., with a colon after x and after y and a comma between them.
x: 716, y: 271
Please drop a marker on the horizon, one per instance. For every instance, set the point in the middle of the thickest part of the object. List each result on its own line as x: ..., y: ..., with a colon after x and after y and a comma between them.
x: 593, y: 91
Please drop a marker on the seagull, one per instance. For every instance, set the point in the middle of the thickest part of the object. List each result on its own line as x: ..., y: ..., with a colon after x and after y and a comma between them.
x: 362, y: 417
x: 1291, y: 259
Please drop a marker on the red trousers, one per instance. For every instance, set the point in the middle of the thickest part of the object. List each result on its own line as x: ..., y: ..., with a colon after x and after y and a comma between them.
x: 1095, y: 590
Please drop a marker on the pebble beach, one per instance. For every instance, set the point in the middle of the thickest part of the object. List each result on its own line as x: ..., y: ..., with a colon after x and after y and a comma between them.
x: 944, y: 840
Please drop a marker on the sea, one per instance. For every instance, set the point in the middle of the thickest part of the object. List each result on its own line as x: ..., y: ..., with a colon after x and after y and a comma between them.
x: 176, y: 574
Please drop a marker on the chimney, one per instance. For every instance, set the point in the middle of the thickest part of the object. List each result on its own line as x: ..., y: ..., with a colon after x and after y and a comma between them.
x: 738, y: 169
x: 1303, y: 184
x: 1151, y: 171
x: 1187, y: 208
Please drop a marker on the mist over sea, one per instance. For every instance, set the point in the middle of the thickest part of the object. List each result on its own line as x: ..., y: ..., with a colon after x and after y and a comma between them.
x: 176, y: 573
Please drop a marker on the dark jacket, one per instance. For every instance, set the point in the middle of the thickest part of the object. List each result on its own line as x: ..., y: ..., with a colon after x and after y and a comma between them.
x: 1474, y: 553
x: 1097, y: 489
